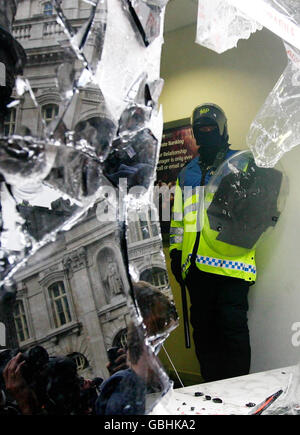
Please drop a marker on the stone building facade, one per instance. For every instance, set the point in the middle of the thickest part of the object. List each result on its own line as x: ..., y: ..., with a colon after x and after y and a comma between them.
x: 73, y: 294
x: 44, y: 41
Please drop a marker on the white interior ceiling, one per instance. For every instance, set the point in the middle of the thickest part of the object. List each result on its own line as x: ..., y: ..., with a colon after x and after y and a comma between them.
x: 180, y: 13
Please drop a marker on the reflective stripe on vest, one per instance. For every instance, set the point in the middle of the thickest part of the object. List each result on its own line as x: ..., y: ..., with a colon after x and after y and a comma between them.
x: 217, y: 262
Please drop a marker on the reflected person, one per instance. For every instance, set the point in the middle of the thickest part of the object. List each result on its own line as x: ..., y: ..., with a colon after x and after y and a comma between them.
x: 39, y: 383
x: 19, y: 396
x: 218, y: 284
x: 124, y: 393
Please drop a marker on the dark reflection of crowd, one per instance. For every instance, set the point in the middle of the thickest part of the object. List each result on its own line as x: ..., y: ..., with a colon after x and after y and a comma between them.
x: 34, y: 383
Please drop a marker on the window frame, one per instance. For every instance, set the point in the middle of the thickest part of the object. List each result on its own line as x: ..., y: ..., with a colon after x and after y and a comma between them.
x: 11, y: 123
x: 156, y: 271
x: 159, y: 273
x: 144, y: 221
x: 22, y: 315
x: 50, y: 9
x: 84, y: 363
x: 54, y: 114
x: 120, y: 339
x: 55, y: 317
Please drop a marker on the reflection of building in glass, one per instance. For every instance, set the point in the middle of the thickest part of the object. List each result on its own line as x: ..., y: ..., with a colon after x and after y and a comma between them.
x: 72, y: 295
x: 144, y: 249
x: 10, y: 122
x: 21, y: 321
x: 44, y: 41
x: 157, y: 276
x: 48, y: 9
x: 70, y: 301
x: 49, y: 112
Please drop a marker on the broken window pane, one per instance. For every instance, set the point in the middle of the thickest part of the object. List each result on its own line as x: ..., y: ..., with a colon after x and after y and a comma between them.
x: 220, y: 25
x: 81, y: 133
x: 275, y: 128
x: 145, y: 17
x: 280, y: 16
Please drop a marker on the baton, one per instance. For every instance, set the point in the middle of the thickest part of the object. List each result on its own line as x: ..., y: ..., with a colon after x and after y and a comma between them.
x: 185, y: 317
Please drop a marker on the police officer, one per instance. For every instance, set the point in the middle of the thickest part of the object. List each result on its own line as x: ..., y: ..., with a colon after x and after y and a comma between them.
x: 218, y: 288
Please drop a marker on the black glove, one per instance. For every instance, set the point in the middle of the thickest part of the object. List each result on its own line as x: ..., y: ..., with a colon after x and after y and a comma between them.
x: 176, y: 265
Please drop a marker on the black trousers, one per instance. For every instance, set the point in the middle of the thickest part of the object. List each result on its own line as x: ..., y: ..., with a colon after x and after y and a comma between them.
x: 218, y: 312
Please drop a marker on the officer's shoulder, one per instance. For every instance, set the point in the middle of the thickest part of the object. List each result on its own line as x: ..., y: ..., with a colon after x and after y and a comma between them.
x: 230, y: 151
x: 186, y: 167
x: 189, y: 164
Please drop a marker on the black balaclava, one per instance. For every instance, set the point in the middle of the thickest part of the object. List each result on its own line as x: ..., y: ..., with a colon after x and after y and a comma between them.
x: 210, y: 143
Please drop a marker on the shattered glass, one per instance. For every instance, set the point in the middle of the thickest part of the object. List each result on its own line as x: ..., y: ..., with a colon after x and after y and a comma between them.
x: 280, y: 16
x: 288, y: 401
x: 145, y: 18
x: 220, y: 25
x: 275, y: 129
x: 79, y: 236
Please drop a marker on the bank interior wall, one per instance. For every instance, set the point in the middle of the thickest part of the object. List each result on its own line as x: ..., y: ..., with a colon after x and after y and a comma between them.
x: 239, y: 81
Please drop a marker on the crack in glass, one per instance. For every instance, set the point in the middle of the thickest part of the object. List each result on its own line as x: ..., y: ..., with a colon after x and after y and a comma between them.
x: 75, y: 166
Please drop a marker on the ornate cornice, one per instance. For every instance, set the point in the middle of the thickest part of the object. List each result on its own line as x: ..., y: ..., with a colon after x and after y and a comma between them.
x: 44, y: 57
x: 52, y: 273
x: 55, y: 336
x: 75, y: 260
x: 22, y: 290
x: 146, y: 247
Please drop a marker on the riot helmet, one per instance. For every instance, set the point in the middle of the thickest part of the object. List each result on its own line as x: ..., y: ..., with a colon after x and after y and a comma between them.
x: 209, y: 114
x: 209, y: 125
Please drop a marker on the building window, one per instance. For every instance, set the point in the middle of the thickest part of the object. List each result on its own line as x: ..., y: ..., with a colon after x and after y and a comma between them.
x: 155, y: 276
x: 59, y: 304
x: 120, y: 339
x: 21, y: 321
x: 48, y: 9
x: 159, y: 278
x: 49, y: 112
x: 10, y: 122
x: 80, y: 360
x: 143, y: 227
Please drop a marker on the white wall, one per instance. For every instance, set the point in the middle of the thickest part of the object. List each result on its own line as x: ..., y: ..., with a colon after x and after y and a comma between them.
x: 275, y: 299
x: 239, y: 81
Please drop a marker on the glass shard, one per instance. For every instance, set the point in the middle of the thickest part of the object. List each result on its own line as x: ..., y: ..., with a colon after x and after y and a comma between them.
x: 280, y: 16
x: 88, y: 132
x: 145, y: 17
x: 275, y: 129
x: 221, y: 25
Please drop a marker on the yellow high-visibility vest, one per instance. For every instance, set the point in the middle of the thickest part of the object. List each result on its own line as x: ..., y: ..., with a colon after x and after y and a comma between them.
x: 212, y: 255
